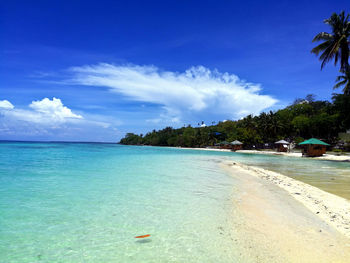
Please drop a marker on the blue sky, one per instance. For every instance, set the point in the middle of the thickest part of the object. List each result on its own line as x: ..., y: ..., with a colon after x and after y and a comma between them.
x: 94, y: 70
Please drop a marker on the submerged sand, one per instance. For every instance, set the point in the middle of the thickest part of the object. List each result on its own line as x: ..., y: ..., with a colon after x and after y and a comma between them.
x: 284, y: 220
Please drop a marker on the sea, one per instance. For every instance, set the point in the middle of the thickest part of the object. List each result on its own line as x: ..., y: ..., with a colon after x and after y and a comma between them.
x: 86, y: 202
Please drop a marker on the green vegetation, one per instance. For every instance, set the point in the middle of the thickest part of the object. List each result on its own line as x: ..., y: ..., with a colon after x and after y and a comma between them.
x: 344, y: 80
x: 336, y: 46
x: 305, y: 118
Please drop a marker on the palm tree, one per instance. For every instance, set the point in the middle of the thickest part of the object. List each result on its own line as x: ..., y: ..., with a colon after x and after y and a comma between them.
x: 336, y: 44
x: 344, y: 80
x: 248, y: 122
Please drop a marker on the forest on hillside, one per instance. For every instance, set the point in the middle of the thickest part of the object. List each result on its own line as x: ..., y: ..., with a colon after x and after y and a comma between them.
x: 304, y: 119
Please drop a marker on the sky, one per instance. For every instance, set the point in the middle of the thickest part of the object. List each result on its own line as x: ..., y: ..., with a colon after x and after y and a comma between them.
x: 95, y: 70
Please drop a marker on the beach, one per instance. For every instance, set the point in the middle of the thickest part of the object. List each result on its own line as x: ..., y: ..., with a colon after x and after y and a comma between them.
x: 289, y: 221
x: 175, y: 132
x: 329, y: 157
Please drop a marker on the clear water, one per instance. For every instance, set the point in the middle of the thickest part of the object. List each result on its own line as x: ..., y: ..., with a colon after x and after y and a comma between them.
x: 70, y: 202
x: 86, y: 202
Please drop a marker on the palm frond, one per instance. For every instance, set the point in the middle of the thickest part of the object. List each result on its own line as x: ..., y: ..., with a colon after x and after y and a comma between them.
x: 339, y: 78
x: 321, y: 47
x: 339, y: 84
x: 336, y: 45
x: 326, y: 56
x: 322, y: 36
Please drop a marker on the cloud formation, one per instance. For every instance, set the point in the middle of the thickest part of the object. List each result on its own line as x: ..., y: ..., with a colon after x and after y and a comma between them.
x: 6, y: 105
x: 198, y: 91
x: 43, y: 111
x: 50, y: 119
x: 53, y: 109
x: 46, y: 118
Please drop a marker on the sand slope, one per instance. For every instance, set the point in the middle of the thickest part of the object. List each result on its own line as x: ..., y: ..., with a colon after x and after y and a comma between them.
x: 278, y: 220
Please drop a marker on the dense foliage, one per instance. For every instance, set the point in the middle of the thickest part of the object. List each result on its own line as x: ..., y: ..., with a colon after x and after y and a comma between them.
x: 305, y: 118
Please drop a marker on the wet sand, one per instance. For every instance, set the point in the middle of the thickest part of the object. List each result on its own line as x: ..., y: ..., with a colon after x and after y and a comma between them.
x: 275, y: 226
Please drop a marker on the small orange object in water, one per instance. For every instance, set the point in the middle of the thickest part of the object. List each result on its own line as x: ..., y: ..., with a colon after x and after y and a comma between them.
x: 143, y: 236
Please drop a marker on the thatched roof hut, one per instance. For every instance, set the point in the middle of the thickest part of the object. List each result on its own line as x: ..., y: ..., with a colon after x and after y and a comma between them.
x: 225, y: 145
x: 236, y: 145
x: 282, y: 146
x: 313, y: 147
x: 235, y: 142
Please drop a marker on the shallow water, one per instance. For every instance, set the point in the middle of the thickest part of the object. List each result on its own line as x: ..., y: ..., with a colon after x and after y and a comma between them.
x: 330, y: 176
x: 86, y: 202
x: 76, y: 202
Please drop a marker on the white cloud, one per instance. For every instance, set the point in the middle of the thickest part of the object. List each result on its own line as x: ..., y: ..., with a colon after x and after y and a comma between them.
x: 50, y: 118
x: 53, y: 109
x: 5, y: 104
x: 45, y: 111
x: 197, y: 91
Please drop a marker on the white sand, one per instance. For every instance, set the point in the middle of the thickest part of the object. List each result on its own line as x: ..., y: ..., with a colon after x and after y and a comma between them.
x: 283, y: 220
x: 331, y: 208
x: 330, y: 157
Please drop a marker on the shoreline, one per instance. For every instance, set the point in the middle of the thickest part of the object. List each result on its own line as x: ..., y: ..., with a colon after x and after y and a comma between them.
x: 331, y: 208
x: 327, y: 157
x: 285, y: 220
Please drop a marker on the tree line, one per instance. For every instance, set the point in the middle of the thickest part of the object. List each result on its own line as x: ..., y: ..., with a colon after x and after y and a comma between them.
x: 304, y: 119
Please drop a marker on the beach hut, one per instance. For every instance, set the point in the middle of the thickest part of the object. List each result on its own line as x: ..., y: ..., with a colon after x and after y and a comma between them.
x: 236, y: 145
x: 313, y: 147
x: 282, y: 146
x: 225, y: 145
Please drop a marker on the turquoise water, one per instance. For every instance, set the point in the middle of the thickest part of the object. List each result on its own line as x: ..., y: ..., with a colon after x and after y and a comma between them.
x: 76, y: 202
x: 62, y: 202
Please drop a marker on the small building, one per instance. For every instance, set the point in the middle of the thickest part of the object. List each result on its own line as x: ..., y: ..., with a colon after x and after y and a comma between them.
x: 282, y: 146
x: 236, y: 145
x: 225, y: 145
x: 313, y: 147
